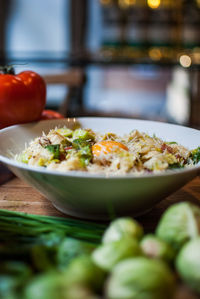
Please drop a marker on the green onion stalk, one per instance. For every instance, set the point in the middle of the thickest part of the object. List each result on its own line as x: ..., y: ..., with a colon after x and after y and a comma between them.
x: 18, y: 226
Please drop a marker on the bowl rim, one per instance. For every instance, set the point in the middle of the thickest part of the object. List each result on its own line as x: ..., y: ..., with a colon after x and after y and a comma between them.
x: 84, y: 174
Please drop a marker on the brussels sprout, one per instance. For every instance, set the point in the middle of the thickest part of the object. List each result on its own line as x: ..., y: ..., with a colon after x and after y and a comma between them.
x: 83, y: 134
x: 47, y: 286
x: 14, y: 295
x: 82, y: 270
x: 80, y: 292
x: 42, y: 257
x: 141, y: 278
x: 123, y: 227
x: 19, y: 270
x: 65, y: 132
x: 180, y: 223
x: 188, y: 264
x: 153, y: 247
x: 108, y: 255
x: 51, y: 239
x: 54, y: 286
x: 43, y: 254
x: 13, y: 275
x: 70, y: 248
x: 85, y: 155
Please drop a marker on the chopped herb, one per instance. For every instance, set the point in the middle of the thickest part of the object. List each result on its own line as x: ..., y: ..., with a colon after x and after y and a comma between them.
x: 80, y: 143
x: 175, y: 166
x: 172, y: 142
x: 84, y: 150
x: 85, y: 155
x: 195, y: 155
x: 154, y: 136
x: 54, y: 149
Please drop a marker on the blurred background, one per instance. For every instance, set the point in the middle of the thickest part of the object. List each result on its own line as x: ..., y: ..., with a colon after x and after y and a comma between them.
x: 128, y: 58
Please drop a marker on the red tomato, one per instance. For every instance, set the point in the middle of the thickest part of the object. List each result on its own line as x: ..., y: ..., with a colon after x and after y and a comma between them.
x: 50, y: 114
x: 22, y: 97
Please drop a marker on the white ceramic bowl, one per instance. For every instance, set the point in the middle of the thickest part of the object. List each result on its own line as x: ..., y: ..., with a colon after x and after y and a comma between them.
x: 96, y: 196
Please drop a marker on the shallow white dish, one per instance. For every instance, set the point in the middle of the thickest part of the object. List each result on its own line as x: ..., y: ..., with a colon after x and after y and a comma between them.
x: 92, y: 196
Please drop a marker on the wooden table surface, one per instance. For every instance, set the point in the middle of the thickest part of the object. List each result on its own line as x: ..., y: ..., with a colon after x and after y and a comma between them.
x: 16, y: 195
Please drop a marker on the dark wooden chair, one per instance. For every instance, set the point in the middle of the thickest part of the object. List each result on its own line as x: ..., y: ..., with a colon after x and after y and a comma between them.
x: 74, y: 79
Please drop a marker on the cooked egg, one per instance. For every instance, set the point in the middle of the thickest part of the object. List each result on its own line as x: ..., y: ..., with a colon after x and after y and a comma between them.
x: 106, y: 147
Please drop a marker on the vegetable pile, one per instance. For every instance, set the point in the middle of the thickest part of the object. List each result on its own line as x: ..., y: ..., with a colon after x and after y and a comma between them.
x: 49, y: 257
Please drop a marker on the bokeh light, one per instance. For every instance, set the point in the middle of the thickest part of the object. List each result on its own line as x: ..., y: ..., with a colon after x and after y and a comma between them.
x: 129, y: 2
x: 153, y: 3
x: 185, y: 61
x: 126, y: 3
x: 155, y: 54
x: 105, y: 2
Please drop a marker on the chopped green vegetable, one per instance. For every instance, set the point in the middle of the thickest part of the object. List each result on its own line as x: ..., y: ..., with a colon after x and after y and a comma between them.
x: 54, y: 149
x: 84, y: 150
x: 65, y: 132
x: 175, y: 166
x: 83, y: 134
x: 171, y: 142
x: 80, y: 143
x: 195, y: 155
x: 85, y: 155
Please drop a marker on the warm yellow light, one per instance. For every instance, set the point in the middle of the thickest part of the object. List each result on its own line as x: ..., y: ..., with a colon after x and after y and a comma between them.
x: 155, y: 54
x: 129, y: 2
x: 185, y: 61
x: 198, y: 3
x: 153, y: 3
x: 126, y: 3
x: 196, y: 55
x: 105, y: 2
